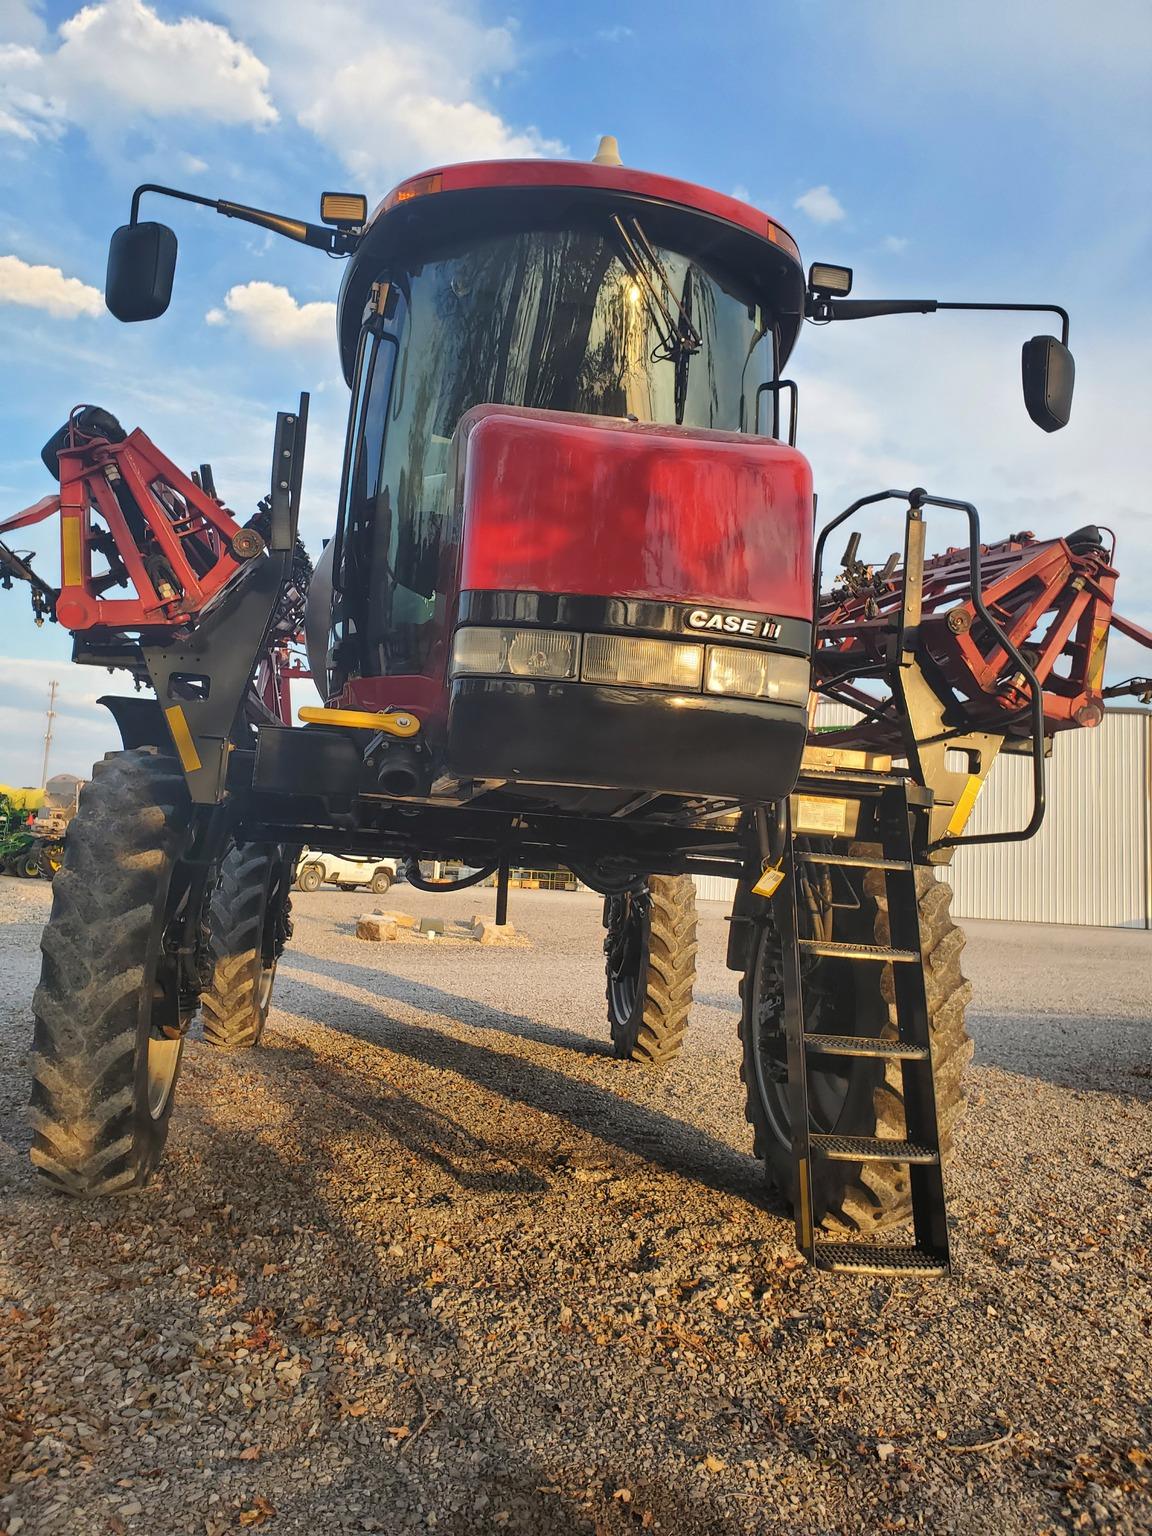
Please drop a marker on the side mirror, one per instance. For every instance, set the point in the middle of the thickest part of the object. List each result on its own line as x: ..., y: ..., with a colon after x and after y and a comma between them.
x: 1049, y: 373
x: 141, y: 266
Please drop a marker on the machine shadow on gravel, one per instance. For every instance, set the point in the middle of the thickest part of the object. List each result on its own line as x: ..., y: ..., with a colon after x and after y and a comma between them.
x: 375, y: 1106
x: 473, y: 1012
x: 658, y: 1138
x: 528, y: 1484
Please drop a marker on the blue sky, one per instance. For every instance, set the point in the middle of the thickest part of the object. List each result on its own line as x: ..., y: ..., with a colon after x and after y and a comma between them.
x: 983, y: 151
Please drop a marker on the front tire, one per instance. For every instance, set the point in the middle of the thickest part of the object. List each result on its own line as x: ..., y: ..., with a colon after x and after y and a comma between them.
x: 110, y: 1016
x: 310, y: 878
x: 249, y: 922
x: 650, y: 954
x: 853, y: 1096
x: 380, y: 883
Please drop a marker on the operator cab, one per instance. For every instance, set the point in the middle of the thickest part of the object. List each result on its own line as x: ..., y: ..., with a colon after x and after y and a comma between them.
x: 581, y: 290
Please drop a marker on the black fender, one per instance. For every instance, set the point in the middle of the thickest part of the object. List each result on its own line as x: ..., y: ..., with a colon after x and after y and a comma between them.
x: 139, y: 720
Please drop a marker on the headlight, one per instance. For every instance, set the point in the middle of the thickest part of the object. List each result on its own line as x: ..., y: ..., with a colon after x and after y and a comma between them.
x: 642, y: 663
x: 757, y: 675
x: 544, y: 653
x: 622, y: 661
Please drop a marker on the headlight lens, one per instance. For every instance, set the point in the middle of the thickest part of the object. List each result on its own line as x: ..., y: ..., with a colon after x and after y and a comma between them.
x: 757, y: 675
x: 625, y: 662
x: 544, y: 653
x: 642, y: 663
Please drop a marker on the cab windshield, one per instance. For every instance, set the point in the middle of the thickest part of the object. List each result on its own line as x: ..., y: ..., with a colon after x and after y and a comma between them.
x: 564, y: 320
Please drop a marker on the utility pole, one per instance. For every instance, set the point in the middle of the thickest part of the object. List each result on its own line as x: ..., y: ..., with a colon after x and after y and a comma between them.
x: 52, y: 687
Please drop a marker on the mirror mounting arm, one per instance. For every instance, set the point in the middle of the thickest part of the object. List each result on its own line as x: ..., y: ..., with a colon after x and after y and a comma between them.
x: 820, y: 308
x: 1043, y: 309
x: 337, y: 242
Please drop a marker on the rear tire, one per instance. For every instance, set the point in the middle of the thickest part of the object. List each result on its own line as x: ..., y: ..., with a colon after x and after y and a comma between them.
x: 310, y: 878
x: 651, y: 968
x: 109, y: 1017
x: 249, y: 905
x: 380, y: 883
x: 857, y: 1096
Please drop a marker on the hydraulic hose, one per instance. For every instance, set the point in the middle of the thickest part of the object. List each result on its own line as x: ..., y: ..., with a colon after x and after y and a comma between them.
x: 414, y: 877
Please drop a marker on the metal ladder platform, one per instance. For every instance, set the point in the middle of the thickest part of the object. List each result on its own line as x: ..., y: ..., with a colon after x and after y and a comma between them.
x: 927, y: 1254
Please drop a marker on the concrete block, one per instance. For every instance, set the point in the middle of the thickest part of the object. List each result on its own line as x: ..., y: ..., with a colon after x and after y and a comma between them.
x: 376, y: 928
x: 401, y: 919
x: 486, y: 932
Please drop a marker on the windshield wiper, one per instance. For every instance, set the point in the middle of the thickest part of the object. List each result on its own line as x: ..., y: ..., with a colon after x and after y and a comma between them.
x: 679, y: 338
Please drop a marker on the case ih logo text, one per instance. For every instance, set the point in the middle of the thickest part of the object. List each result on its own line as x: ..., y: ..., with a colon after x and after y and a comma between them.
x: 733, y: 624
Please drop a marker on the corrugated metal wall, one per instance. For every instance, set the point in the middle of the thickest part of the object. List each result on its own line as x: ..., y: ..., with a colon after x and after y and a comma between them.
x: 1090, y: 863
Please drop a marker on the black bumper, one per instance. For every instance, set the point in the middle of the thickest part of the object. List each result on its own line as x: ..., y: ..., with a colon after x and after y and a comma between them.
x: 624, y: 738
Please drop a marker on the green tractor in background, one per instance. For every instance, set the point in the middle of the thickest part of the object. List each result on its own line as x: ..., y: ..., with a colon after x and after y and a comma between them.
x: 19, y: 854
x: 32, y: 826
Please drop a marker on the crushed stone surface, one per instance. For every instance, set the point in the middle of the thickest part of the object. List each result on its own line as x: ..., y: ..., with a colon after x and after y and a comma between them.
x: 432, y: 1260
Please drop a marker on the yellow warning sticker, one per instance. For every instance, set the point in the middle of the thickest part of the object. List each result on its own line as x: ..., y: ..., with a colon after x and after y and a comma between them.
x: 1096, y: 657
x: 72, y: 560
x: 182, y: 739
x: 959, y: 818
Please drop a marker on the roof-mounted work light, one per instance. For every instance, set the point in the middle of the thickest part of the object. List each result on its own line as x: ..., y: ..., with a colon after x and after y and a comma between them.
x: 828, y: 281
x: 346, y: 210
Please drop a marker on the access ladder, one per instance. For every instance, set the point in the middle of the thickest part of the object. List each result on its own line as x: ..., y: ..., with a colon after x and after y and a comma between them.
x: 897, y: 804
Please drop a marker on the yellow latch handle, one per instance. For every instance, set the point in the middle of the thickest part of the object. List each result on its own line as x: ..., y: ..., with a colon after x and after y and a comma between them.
x: 399, y: 724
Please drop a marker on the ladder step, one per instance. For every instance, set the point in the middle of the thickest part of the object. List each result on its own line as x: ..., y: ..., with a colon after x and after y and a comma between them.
x: 871, y: 1149
x: 856, y: 951
x: 871, y: 1259
x: 864, y: 1045
x: 851, y: 861
x: 853, y: 778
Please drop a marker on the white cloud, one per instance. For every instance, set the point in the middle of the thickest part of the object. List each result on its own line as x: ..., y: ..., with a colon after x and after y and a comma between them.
x: 20, y: 22
x: 25, y: 113
x: 388, y: 105
x: 192, y: 165
x: 271, y: 316
x: 117, y: 62
x: 48, y: 289
x: 821, y: 206
x: 614, y: 34
x: 385, y: 102
x: 897, y: 244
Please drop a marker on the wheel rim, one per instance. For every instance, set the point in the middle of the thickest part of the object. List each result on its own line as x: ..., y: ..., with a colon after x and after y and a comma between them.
x: 163, y: 1066
x: 264, y: 987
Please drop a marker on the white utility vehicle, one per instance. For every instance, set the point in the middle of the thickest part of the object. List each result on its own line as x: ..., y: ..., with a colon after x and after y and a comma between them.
x: 317, y: 869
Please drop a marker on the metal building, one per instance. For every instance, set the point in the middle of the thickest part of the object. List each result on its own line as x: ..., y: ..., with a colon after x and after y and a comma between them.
x: 1091, y: 861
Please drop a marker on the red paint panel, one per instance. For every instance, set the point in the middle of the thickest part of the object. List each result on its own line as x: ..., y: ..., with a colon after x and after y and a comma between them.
x: 579, y: 173
x: 591, y: 505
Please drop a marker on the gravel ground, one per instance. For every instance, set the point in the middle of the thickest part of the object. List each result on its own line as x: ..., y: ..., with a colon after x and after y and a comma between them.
x: 431, y: 1260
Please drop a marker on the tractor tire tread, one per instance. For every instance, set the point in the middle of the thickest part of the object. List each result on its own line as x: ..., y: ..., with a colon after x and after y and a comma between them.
x: 654, y: 1033
x: 232, y: 1012
x: 95, y: 945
